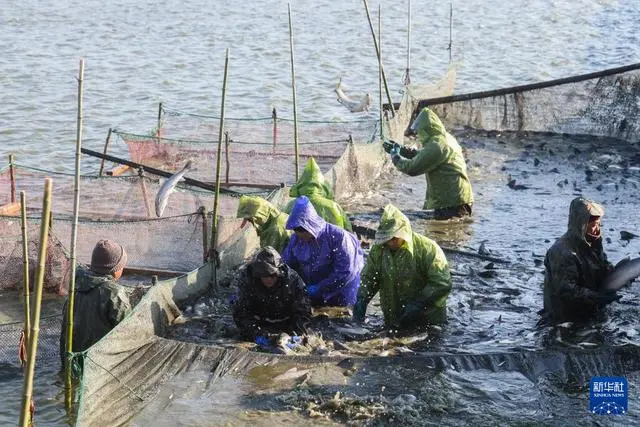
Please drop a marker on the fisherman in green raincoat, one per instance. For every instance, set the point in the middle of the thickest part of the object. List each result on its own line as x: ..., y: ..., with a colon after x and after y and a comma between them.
x: 410, y: 271
x: 269, y: 221
x: 441, y: 159
x: 313, y: 185
x: 100, y: 302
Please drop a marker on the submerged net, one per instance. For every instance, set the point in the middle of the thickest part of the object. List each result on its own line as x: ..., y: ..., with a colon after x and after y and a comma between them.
x: 605, y: 103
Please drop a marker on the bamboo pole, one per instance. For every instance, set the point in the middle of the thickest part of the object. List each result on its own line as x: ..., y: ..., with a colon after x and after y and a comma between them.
x: 380, y: 71
x: 25, y: 267
x: 159, y: 126
x: 145, y: 193
x: 293, y: 88
x: 74, y: 236
x: 205, y: 239
x: 214, y: 222
x: 375, y: 42
x: 407, y: 77
x: 226, y: 156
x: 106, y: 148
x: 25, y: 418
x: 12, y: 175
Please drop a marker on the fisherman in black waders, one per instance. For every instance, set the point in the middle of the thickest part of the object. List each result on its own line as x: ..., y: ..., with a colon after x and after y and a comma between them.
x: 575, y: 267
x: 441, y: 160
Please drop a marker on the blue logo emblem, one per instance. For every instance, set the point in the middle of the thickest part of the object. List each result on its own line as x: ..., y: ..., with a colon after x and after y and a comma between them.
x: 608, y: 395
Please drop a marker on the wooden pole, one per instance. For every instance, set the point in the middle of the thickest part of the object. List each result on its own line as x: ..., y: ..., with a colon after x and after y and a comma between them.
x: 12, y: 175
x: 375, y: 42
x: 25, y: 267
x: 226, y: 156
x: 274, y: 116
x: 293, y: 88
x: 25, y: 419
x: 214, y: 222
x: 407, y: 77
x: 74, y: 236
x: 145, y: 193
x: 205, y: 239
x: 106, y: 148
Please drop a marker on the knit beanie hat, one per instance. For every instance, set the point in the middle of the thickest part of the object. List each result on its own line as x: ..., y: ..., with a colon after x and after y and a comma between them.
x: 108, y: 257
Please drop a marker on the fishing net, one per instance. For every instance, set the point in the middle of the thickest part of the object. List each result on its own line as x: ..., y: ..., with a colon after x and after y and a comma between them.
x: 605, y: 104
x: 257, y: 151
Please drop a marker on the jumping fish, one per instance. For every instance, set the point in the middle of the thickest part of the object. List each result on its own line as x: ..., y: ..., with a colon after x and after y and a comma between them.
x: 353, y: 106
x: 162, y: 198
x: 622, y: 274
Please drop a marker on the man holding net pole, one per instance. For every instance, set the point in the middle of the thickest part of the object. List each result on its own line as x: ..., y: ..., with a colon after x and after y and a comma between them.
x: 449, y: 193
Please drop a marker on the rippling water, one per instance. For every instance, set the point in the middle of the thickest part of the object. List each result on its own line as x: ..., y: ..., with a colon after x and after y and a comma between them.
x: 139, y: 53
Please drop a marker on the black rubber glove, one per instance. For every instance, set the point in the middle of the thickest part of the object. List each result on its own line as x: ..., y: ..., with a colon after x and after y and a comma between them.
x: 390, y: 145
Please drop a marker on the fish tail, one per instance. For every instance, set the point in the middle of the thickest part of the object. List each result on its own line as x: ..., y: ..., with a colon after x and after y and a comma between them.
x: 187, y: 166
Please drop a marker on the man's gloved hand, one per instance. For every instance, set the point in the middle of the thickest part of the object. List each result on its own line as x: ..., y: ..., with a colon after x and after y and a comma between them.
x: 389, y: 146
x: 411, y: 312
x: 294, y: 341
x: 262, y: 341
x: 607, y: 297
x: 313, y: 290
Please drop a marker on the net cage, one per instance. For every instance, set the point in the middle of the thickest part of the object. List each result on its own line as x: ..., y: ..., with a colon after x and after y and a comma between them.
x: 254, y: 151
x: 602, y: 104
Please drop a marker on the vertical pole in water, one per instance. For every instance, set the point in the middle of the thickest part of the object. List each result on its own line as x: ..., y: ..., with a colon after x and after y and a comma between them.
x: 25, y: 418
x: 12, y: 176
x: 380, y: 68
x: 375, y: 42
x: 293, y: 87
x: 407, y: 77
x: 74, y: 236
x: 226, y: 156
x: 106, y: 148
x: 205, y: 239
x: 25, y: 268
x: 214, y: 222
x: 145, y: 193
x: 159, y: 126
x: 450, y: 30
x: 274, y: 116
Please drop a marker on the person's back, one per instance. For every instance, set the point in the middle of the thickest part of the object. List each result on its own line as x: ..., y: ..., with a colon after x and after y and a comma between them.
x: 100, y: 302
x: 442, y: 161
x: 313, y: 185
x: 269, y: 221
x: 575, y: 266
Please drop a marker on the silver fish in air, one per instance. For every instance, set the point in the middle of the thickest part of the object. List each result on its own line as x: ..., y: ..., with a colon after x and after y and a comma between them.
x: 622, y: 274
x: 352, y: 105
x: 162, y: 198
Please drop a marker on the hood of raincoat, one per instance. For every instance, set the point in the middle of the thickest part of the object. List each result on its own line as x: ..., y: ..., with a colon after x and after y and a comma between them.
x: 580, y: 211
x: 266, y: 262
x: 259, y: 210
x: 393, y: 223
x: 311, y: 182
x: 428, y: 125
x: 304, y: 215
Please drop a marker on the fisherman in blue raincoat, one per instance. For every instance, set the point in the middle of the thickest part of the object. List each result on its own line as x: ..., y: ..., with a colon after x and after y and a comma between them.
x: 328, y: 258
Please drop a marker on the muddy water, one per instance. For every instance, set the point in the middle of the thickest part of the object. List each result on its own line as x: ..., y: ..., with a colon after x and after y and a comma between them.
x: 491, y: 364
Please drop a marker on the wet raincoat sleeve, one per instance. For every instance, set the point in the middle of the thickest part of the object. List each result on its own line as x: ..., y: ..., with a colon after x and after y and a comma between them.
x: 369, y: 285
x: 347, y: 264
x: 437, y: 278
x: 567, y: 275
x: 118, y: 306
x: 243, y: 316
x: 430, y: 157
x: 301, y: 307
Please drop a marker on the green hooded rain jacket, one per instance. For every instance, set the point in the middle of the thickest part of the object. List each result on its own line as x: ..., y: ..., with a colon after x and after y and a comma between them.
x: 269, y: 221
x: 313, y: 185
x: 442, y: 161
x: 416, y: 274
